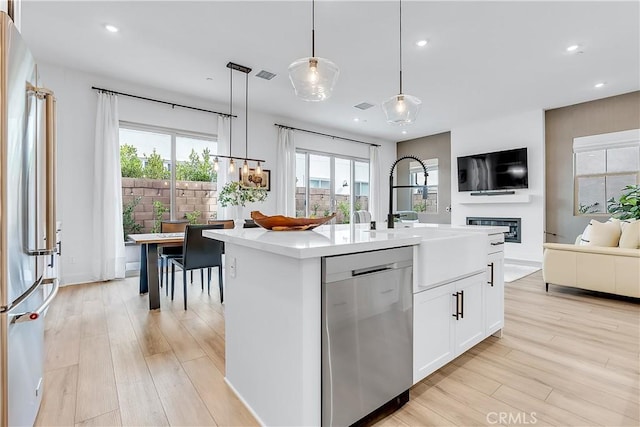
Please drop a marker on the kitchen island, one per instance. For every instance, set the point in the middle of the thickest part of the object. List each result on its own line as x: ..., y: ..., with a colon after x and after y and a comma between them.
x: 273, y: 308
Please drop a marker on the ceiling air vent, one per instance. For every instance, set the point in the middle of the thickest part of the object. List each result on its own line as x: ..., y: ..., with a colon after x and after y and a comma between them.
x: 363, y: 106
x: 263, y: 74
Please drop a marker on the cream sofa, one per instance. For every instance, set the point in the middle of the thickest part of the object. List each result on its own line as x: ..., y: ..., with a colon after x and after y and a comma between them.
x: 613, y: 270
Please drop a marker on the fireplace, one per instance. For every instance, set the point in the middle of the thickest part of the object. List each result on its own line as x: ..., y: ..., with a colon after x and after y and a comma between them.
x: 514, y: 235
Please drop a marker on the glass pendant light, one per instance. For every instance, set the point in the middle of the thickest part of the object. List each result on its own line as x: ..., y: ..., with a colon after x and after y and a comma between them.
x: 401, y: 109
x: 232, y: 167
x: 258, y: 169
x: 313, y: 78
x: 216, y: 166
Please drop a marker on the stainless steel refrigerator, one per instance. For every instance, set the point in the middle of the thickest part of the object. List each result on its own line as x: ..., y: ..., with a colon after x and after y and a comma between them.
x: 27, y: 226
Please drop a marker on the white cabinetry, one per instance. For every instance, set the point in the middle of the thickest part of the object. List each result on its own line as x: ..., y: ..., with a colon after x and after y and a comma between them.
x: 451, y: 318
x: 447, y: 321
x: 494, y: 289
x: 494, y: 293
x: 469, y: 322
x: 433, y: 336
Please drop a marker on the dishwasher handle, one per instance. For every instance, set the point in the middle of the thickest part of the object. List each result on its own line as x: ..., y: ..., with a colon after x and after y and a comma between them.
x: 370, y: 270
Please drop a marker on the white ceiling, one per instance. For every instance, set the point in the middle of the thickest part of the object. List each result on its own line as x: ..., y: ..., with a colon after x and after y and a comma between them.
x: 484, y: 59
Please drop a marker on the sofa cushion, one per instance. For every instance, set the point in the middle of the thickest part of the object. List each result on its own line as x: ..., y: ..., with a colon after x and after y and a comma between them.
x: 601, y: 234
x: 630, y: 237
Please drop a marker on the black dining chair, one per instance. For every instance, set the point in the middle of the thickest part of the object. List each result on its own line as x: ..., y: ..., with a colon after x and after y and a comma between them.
x: 198, y: 252
x: 168, y: 252
x: 249, y: 223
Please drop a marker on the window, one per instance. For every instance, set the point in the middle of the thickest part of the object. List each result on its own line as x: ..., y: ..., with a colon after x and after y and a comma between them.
x: 326, y: 183
x: 419, y: 202
x: 603, y: 166
x: 166, y: 174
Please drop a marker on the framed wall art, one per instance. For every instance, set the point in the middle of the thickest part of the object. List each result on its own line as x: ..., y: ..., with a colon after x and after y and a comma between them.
x: 252, y: 179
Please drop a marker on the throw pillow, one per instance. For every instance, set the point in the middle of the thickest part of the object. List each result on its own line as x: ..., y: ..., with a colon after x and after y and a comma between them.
x: 630, y: 237
x: 601, y: 234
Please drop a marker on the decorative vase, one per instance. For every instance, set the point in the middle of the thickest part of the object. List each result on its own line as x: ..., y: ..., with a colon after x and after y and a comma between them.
x: 239, y: 217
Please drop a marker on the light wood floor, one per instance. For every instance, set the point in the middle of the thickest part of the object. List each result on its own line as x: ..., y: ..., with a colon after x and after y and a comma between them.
x: 567, y: 358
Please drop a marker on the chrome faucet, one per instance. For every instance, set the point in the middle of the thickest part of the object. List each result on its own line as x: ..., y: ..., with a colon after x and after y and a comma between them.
x: 391, y: 216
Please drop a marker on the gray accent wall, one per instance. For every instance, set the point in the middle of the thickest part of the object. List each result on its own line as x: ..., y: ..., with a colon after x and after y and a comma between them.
x: 606, y: 115
x: 428, y: 147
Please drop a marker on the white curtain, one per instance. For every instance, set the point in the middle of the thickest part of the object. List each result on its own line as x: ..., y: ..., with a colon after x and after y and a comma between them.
x: 286, y: 173
x: 223, y: 164
x: 374, y: 183
x: 108, y: 239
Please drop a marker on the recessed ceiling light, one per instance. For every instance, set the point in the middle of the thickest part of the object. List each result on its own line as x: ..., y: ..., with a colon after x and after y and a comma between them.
x: 356, y: 119
x: 404, y: 132
x: 421, y: 43
x: 111, y: 28
x: 572, y: 48
x: 599, y: 85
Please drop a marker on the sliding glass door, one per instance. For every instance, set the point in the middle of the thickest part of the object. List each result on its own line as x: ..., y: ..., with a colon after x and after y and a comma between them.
x: 326, y: 183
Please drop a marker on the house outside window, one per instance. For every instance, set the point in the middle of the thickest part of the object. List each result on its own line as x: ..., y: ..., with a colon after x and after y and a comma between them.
x: 166, y: 175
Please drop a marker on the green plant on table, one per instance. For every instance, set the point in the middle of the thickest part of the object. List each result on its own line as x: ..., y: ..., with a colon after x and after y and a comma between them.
x: 628, y: 204
x: 234, y: 194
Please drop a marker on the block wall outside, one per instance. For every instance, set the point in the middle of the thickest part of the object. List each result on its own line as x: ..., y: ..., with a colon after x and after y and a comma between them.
x: 191, y: 196
x: 320, y: 204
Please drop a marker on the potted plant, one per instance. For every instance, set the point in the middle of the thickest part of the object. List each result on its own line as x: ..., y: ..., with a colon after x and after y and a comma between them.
x: 234, y: 194
x: 628, y: 204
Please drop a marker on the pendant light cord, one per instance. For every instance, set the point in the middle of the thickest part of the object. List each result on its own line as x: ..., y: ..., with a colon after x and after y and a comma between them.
x: 246, y: 116
x: 230, y: 106
x: 400, y: 46
x: 313, y: 28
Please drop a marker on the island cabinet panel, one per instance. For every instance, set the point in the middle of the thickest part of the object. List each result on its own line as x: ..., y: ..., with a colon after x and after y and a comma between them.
x: 469, y: 325
x: 433, y: 332
x: 494, y: 293
x: 447, y: 321
x: 272, y: 328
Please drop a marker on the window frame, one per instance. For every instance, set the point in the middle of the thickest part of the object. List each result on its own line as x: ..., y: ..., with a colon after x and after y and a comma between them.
x: 603, y: 142
x: 333, y: 157
x: 174, y: 134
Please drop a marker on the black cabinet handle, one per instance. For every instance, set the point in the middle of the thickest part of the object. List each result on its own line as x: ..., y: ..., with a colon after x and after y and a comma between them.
x: 457, y: 315
x: 462, y: 305
x: 491, y: 282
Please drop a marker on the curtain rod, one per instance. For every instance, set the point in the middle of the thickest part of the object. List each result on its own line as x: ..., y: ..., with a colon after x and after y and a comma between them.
x: 326, y: 134
x: 173, y: 104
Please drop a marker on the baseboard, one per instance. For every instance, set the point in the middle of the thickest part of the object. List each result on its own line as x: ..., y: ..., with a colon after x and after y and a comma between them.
x: 244, y: 402
x: 525, y: 262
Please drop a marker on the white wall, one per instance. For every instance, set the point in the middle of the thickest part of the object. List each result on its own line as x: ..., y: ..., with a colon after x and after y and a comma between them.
x: 76, y: 103
x: 515, y: 131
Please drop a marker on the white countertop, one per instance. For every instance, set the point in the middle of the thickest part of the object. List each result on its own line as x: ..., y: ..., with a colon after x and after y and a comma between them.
x: 328, y: 240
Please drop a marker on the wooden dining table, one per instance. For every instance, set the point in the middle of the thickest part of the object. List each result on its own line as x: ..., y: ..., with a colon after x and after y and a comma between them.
x: 149, y: 244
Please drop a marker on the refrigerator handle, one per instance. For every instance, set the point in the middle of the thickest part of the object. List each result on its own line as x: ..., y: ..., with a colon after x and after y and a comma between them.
x: 50, y: 142
x: 35, y: 314
x: 50, y: 171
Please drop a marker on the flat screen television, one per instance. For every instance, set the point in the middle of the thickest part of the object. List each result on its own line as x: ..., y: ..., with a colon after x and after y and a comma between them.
x: 500, y: 170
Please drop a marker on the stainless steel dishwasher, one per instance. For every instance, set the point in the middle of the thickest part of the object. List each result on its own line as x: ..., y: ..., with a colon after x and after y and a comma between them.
x: 367, y: 312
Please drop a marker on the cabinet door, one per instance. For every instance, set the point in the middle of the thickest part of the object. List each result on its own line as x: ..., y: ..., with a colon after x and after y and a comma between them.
x: 494, y: 294
x: 469, y: 327
x: 433, y: 336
